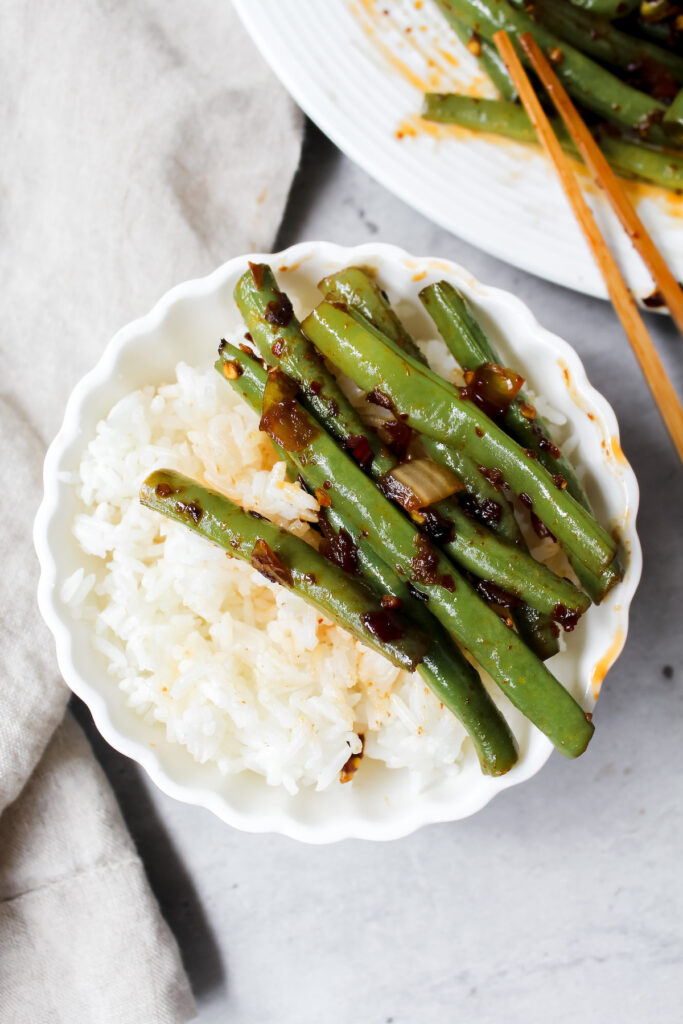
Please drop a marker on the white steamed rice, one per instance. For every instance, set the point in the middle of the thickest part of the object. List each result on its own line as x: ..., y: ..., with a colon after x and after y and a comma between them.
x: 239, y: 671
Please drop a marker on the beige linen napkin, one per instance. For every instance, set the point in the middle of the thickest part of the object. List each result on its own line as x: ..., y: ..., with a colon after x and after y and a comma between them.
x: 143, y: 143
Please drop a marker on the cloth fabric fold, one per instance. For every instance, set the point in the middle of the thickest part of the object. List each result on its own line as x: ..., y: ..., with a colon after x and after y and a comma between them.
x: 144, y: 143
x: 82, y: 937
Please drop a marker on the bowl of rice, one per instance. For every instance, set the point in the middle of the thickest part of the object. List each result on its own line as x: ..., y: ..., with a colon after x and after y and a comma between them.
x: 230, y: 691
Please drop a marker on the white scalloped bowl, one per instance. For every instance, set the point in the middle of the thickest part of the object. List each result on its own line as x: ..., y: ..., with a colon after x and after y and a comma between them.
x: 186, y: 325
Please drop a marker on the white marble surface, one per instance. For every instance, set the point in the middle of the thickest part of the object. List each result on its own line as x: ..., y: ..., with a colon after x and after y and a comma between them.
x: 561, y: 901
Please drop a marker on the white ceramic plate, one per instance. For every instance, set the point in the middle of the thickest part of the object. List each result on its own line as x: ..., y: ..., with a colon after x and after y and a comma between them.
x: 359, y: 74
x: 186, y: 325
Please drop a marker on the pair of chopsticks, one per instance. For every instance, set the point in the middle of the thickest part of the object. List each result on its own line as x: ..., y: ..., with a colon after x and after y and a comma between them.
x: 624, y: 304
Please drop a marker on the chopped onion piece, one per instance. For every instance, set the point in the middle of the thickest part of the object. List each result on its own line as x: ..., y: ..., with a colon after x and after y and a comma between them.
x: 419, y: 483
x: 376, y: 416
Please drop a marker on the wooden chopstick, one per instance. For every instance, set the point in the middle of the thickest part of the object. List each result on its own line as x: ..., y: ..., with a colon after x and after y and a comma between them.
x: 626, y: 309
x: 606, y: 179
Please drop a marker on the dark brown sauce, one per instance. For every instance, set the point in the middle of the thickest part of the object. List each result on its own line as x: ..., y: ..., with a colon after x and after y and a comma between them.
x: 425, y: 565
x: 399, y: 492
x: 265, y: 561
x: 540, y: 529
x: 190, y: 508
x: 495, y: 594
x: 655, y: 300
x: 398, y: 436
x: 360, y: 449
x: 494, y: 476
x: 257, y: 272
x: 164, y: 490
x: 437, y: 527
x: 650, y: 76
x: 279, y: 311
x: 391, y: 602
x: 385, y: 624
x: 544, y: 442
x: 249, y: 352
x: 338, y: 547
x: 566, y: 618
x: 378, y: 397
x: 487, y: 511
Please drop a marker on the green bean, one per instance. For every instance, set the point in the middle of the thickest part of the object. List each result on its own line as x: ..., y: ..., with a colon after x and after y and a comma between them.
x: 673, y: 119
x: 448, y: 674
x: 524, y: 679
x: 595, y: 586
x: 470, y: 345
x: 489, y: 504
x: 665, y: 33
x: 494, y: 559
x: 539, y: 632
x: 658, y: 11
x: 436, y: 408
x: 285, y: 559
x: 489, y: 58
x: 494, y: 66
x: 608, y: 8
x: 589, y: 83
x: 508, y: 566
x: 497, y: 117
x: 276, y: 333
x: 598, y: 37
x: 359, y: 291
x: 356, y: 288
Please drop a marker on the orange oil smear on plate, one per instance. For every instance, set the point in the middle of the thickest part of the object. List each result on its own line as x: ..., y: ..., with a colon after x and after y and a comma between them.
x: 441, y: 265
x: 411, y: 127
x: 573, y: 393
x: 289, y: 267
x: 437, y: 64
x: 375, y: 18
x: 370, y: 24
x: 429, y: 84
x: 414, y: 126
x: 420, y: 277
x: 602, y: 667
x: 617, y: 451
x: 448, y: 57
x: 670, y: 203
